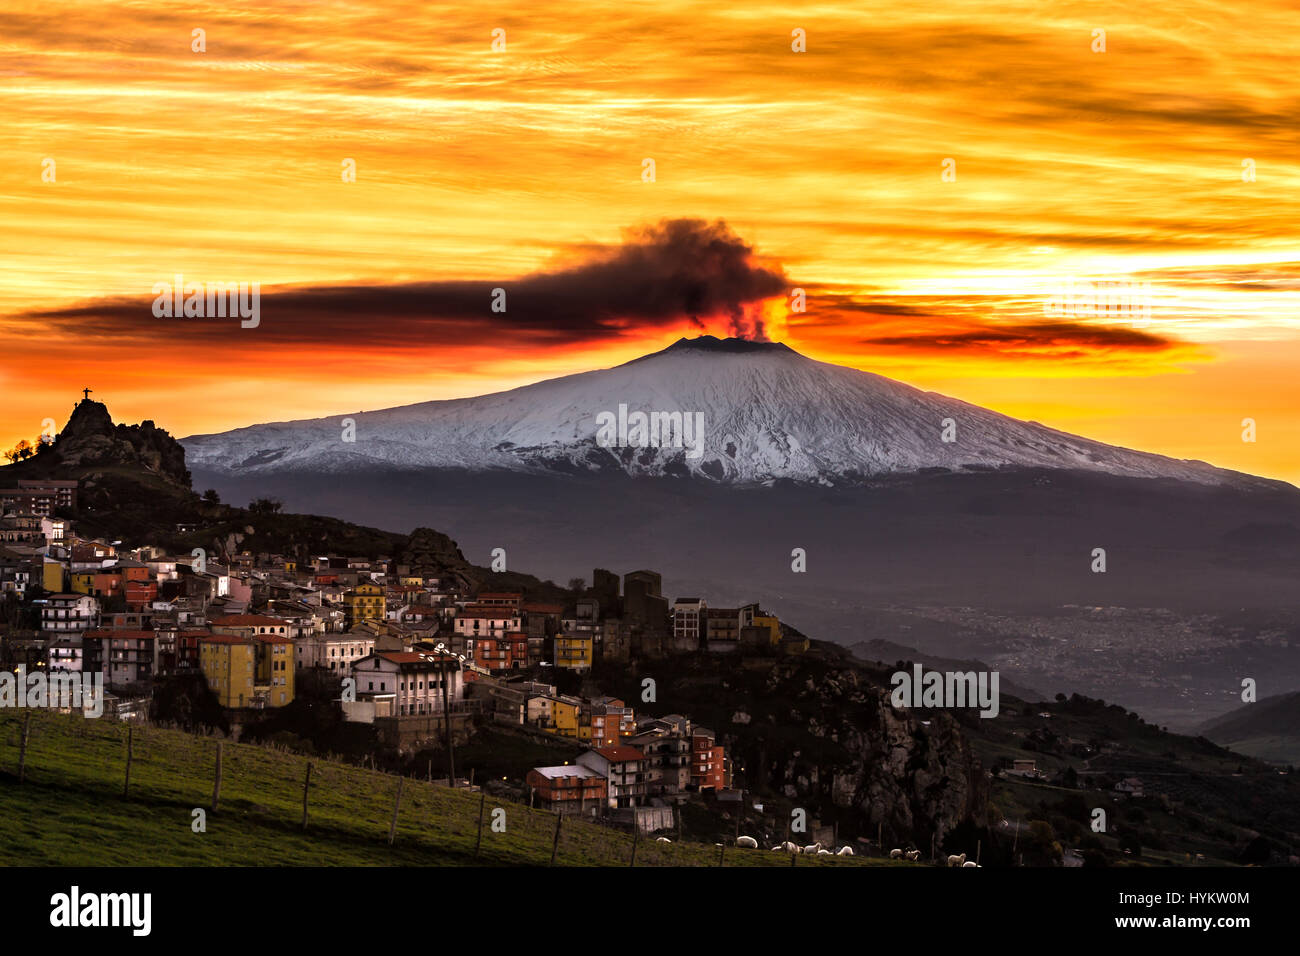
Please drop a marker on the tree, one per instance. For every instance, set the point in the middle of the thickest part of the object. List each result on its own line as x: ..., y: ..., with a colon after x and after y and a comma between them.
x: 211, y: 497
x: 265, y: 506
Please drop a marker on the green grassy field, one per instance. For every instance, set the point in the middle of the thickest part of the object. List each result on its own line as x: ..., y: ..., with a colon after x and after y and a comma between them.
x: 70, y: 811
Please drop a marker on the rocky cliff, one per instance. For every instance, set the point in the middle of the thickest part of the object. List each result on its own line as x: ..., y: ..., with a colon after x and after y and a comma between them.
x: 819, y: 732
x: 90, y: 439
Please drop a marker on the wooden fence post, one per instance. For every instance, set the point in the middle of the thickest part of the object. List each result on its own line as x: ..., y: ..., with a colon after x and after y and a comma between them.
x: 216, y: 784
x: 22, y: 746
x: 482, y: 799
x: 397, y: 805
x: 722, y: 853
x: 306, y: 785
x: 446, y: 721
x: 130, y: 739
x: 555, y: 844
x: 636, y: 837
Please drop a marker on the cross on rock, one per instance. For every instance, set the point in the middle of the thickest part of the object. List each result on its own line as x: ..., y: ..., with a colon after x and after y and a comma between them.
x: 86, y: 392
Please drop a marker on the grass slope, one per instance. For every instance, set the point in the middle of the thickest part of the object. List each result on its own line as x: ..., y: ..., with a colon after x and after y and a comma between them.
x: 71, y: 812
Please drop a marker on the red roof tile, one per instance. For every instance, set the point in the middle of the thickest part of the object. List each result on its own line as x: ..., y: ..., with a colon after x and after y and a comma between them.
x: 620, y: 754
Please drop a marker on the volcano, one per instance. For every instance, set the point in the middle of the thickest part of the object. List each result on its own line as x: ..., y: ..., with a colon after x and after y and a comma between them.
x: 848, y: 467
x: 768, y: 414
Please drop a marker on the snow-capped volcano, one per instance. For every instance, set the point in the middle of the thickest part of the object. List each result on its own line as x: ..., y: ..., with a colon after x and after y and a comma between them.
x: 767, y: 413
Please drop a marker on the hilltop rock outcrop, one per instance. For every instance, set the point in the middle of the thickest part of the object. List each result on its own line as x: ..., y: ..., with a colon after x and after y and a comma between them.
x: 90, y: 439
x: 431, y: 553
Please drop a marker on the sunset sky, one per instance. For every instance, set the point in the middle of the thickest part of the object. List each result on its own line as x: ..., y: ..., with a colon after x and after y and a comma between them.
x: 774, y: 170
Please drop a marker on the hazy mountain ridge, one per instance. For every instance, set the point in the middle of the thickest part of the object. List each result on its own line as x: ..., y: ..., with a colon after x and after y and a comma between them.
x: 1268, y: 729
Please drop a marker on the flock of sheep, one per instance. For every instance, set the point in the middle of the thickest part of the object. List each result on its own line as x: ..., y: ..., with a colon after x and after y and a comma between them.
x: 749, y: 843
x: 814, y: 848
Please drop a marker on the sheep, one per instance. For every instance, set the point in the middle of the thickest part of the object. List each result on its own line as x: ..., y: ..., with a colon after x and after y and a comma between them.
x: 789, y: 847
x: 913, y: 855
x: 748, y: 842
x: 663, y: 840
x: 812, y: 848
x: 845, y: 851
x: 955, y: 860
x: 895, y: 854
x: 825, y: 853
x: 971, y: 863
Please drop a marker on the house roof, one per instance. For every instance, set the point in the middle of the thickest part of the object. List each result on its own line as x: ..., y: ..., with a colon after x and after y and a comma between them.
x: 411, y: 658
x: 272, y: 639
x: 249, y: 620
x: 619, y: 754
x: 483, y: 610
x: 568, y: 770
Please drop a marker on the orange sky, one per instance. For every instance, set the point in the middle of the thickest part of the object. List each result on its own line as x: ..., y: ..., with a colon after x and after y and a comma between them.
x: 477, y: 166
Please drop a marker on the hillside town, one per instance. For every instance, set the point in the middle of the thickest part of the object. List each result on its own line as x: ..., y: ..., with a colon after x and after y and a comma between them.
x: 414, y: 654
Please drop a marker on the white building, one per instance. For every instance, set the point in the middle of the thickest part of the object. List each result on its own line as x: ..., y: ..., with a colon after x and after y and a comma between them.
x: 417, y: 679
x: 66, y: 654
x: 625, y: 770
x: 333, y: 652
x: 69, y: 613
x: 688, y: 617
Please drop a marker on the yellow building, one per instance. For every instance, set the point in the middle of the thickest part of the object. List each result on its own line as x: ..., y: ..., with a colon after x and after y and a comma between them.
x: 574, y: 651
x: 83, y: 582
x: 248, y: 671
x: 365, y: 602
x: 773, y: 627
x: 52, y: 577
x: 570, y: 721
x: 229, y: 665
x: 275, y: 670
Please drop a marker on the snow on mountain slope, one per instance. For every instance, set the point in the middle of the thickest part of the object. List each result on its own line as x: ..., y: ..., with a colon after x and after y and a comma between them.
x: 769, y: 413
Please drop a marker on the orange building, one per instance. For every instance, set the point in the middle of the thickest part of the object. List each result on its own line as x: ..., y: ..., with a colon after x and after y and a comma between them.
x: 571, y: 789
x: 708, y: 761
x: 502, y: 652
